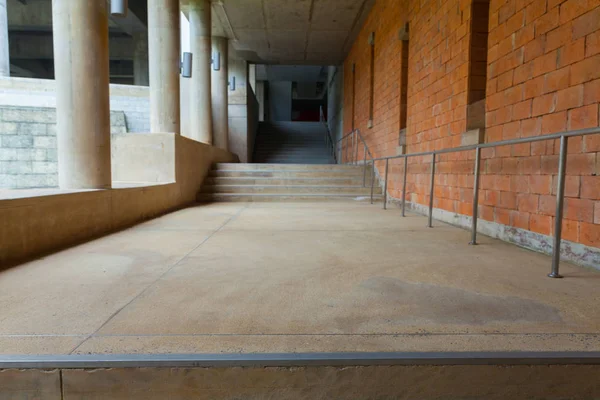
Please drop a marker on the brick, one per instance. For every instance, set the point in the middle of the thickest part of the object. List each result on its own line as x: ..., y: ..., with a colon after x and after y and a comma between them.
x: 502, y: 216
x: 586, y: 24
x: 544, y: 64
x: 528, y: 202
x: 543, y: 104
x: 534, y: 87
x: 534, y: 49
x: 570, y: 230
x: 583, y: 117
x: 522, y: 73
x: 8, y: 128
x: 571, y: 9
x: 512, y: 130
x: 43, y: 167
x: 17, y: 141
x: 547, y: 205
x: 540, y: 184
x: 531, y: 127
x: 546, y: 22
x: 591, y: 143
x: 579, y: 209
x: 592, y: 43
x: 589, y: 234
x: 558, y: 37
x: 522, y: 110
x: 591, y: 92
x: 535, y: 10
x: 569, y: 98
x: 46, y: 142
x: 505, y: 80
x: 553, y: 123
x: 33, y: 129
x: 541, y: 224
x: 571, y: 53
x: 590, y: 187
x: 8, y: 154
x: 557, y: 80
x: 572, y: 184
x: 585, y: 70
x: 519, y: 219
x: 581, y: 164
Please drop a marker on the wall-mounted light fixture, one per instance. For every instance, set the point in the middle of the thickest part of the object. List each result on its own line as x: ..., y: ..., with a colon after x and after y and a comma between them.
x: 232, y: 84
x: 118, y: 8
x: 216, y: 61
x: 186, y: 65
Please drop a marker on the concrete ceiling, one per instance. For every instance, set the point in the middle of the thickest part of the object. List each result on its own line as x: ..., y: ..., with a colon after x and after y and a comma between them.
x: 293, y: 73
x: 291, y: 32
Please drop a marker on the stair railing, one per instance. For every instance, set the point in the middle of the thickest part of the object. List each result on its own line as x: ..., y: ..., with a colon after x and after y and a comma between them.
x: 350, y: 143
x: 477, y: 149
x: 328, y: 137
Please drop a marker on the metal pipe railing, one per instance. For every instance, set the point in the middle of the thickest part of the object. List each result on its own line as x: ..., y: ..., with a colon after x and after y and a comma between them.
x: 352, y: 142
x: 328, y: 137
x: 560, y: 192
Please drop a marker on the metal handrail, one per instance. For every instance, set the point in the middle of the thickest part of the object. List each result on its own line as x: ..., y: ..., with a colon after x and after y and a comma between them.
x: 356, y: 136
x: 328, y: 138
x: 560, y: 192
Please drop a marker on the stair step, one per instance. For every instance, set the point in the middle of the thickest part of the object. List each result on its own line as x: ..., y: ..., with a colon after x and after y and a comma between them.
x: 290, y: 189
x: 351, y: 181
x: 284, y: 174
x: 254, y: 197
x: 287, y: 167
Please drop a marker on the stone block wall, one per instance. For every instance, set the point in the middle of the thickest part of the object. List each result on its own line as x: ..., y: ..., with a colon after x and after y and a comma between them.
x: 541, y: 75
x: 28, y: 146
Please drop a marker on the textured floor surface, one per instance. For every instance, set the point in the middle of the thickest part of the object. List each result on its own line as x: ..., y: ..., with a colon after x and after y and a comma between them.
x: 295, y: 277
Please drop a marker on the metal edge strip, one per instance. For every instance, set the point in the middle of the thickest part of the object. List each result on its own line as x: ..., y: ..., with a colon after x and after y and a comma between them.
x: 295, y: 360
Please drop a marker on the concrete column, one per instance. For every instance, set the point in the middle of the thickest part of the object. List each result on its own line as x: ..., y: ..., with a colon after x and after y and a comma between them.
x: 220, y: 95
x: 141, y: 74
x: 200, y: 93
x: 4, y: 53
x: 164, y: 39
x: 82, y: 93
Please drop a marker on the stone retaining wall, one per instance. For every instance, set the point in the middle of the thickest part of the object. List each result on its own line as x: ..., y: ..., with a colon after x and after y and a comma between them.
x: 28, y: 156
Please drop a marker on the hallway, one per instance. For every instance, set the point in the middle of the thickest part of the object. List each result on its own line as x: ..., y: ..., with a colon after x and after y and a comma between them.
x: 294, y: 277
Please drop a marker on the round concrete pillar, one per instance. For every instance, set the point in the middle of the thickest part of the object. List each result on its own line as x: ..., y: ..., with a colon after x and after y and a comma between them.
x: 141, y: 74
x: 164, y: 39
x: 200, y: 91
x: 4, y: 52
x: 82, y: 93
x: 220, y: 103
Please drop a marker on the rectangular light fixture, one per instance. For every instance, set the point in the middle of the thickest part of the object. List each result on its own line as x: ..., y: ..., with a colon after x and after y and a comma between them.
x: 118, y: 8
x: 186, y: 65
x: 232, y: 84
x: 216, y: 61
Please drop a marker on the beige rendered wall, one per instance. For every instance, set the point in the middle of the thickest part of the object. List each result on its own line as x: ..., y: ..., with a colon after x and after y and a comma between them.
x: 39, y: 224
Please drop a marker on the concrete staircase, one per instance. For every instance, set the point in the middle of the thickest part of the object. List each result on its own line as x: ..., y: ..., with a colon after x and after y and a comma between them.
x: 292, y: 143
x: 286, y: 182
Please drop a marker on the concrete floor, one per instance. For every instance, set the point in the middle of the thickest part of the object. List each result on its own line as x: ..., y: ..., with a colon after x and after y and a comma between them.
x: 295, y: 277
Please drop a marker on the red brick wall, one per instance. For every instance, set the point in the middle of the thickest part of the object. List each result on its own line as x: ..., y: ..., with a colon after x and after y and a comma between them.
x: 543, y: 76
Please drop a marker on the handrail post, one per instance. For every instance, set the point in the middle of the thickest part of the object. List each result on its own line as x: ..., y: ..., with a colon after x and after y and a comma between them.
x: 404, y: 187
x: 365, y: 165
x: 431, y: 187
x: 372, y: 179
x: 475, y: 196
x: 356, y: 148
x: 560, y: 197
x: 385, y: 183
